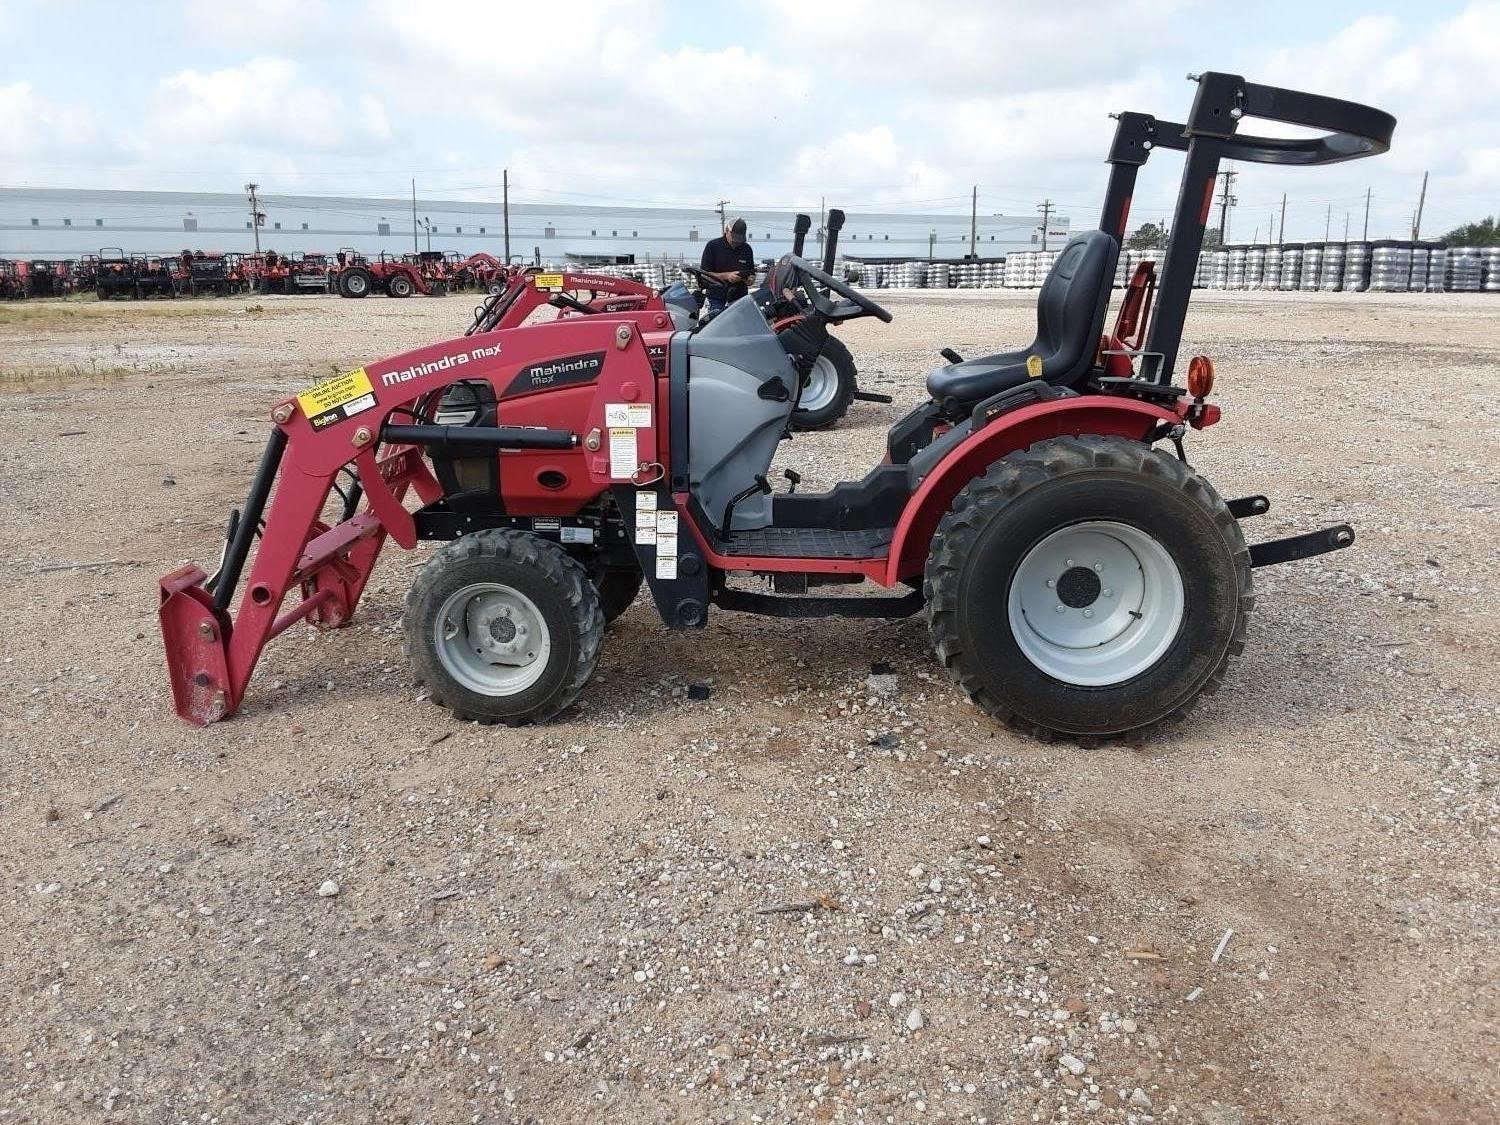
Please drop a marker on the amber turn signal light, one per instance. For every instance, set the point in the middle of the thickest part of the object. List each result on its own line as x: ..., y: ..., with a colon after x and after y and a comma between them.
x: 1200, y: 376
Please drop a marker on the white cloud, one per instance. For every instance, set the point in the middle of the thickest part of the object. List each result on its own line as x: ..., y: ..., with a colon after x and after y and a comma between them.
x: 34, y: 128
x: 268, y: 103
x: 1440, y: 80
x: 770, y: 102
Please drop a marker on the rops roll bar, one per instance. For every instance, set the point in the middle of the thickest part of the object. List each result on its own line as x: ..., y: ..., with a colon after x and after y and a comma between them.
x: 1210, y: 135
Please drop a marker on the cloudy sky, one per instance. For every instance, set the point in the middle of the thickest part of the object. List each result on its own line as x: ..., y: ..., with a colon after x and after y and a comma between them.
x: 876, y: 105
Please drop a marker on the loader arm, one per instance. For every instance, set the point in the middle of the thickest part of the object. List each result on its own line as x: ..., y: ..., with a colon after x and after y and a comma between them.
x: 528, y: 290
x: 369, y: 425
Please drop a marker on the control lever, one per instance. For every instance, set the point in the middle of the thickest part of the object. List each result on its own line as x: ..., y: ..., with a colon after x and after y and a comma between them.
x: 794, y: 477
x: 761, y: 485
x: 951, y: 356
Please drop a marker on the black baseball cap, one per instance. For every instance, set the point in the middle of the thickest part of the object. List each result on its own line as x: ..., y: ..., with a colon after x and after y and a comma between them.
x: 738, y: 226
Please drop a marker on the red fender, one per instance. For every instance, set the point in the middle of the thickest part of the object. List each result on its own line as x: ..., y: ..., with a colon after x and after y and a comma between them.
x: 1088, y: 414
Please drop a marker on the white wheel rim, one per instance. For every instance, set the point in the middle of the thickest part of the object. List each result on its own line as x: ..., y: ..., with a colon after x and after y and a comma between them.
x: 355, y: 284
x: 822, y: 385
x: 1096, y: 604
x: 492, y: 639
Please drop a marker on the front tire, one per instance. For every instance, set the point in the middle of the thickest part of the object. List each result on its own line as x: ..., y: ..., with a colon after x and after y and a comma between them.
x: 827, y: 389
x: 1087, y: 587
x: 503, y: 627
x: 399, y: 285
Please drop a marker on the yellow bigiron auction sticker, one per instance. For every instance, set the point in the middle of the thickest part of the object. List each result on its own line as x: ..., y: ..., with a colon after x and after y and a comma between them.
x: 338, y: 398
x: 549, y: 281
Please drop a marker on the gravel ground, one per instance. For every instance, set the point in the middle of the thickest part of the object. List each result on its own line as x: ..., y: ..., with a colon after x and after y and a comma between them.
x: 816, y: 895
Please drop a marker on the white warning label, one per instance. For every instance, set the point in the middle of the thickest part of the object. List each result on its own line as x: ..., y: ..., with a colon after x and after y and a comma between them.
x: 666, y: 565
x: 666, y: 523
x: 645, y: 501
x: 635, y: 415
x: 622, y: 459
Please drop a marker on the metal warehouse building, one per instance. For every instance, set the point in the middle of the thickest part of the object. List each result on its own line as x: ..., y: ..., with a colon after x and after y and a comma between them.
x: 64, y: 223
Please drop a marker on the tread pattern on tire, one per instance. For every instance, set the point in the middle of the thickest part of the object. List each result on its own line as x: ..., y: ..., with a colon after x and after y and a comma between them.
x: 561, y: 570
x: 1021, y: 471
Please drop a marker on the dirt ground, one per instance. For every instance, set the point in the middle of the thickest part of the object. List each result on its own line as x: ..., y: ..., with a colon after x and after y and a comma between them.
x: 576, y: 922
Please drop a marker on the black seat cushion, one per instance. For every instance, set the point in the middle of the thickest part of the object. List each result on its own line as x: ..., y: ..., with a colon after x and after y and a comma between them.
x: 1069, y: 314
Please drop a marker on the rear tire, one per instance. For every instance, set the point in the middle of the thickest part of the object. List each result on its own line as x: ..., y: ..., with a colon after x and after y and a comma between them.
x: 828, y: 389
x: 503, y: 627
x: 355, y: 282
x: 1087, y: 587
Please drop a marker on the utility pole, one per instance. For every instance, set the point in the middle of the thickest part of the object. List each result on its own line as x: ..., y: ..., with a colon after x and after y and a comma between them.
x: 1367, y: 215
x: 1416, y: 223
x: 427, y: 226
x: 1327, y: 222
x: 974, y: 222
x: 723, y: 222
x: 257, y: 216
x: 822, y: 218
x: 1226, y: 201
x: 1046, y: 207
x: 505, y: 206
x: 1271, y: 229
x: 1346, y: 228
x: 1281, y: 230
x: 931, y: 243
x: 416, y: 247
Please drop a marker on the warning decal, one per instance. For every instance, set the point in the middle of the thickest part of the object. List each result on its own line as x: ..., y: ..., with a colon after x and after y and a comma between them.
x: 338, y: 398
x: 549, y: 281
x: 635, y: 415
x: 622, y: 459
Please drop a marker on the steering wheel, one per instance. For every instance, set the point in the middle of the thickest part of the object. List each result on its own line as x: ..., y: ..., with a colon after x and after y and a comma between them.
x: 852, y: 297
x: 705, y: 281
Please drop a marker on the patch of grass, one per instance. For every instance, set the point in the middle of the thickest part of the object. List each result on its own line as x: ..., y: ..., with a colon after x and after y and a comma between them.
x: 32, y: 380
x: 85, y: 309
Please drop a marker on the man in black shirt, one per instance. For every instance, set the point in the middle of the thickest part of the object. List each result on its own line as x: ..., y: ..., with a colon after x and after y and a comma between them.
x: 730, y: 264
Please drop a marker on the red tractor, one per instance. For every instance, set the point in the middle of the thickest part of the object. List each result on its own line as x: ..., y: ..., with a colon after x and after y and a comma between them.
x: 396, y: 277
x: 825, y: 367
x: 1077, y: 578
x: 204, y: 274
x: 477, y: 271
x: 85, y: 271
x: 11, y: 285
x: 115, y: 274
x: 310, y: 273
x: 154, y: 277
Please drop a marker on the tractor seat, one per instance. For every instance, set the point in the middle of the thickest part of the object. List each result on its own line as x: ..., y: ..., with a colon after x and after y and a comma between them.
x: 1069, y: 317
